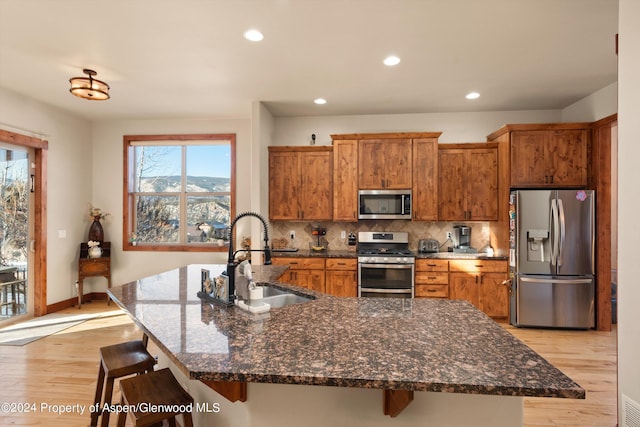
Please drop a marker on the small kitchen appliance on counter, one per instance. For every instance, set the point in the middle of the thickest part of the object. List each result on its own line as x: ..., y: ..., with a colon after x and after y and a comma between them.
x: 426, y: 246
x: 462, y: 244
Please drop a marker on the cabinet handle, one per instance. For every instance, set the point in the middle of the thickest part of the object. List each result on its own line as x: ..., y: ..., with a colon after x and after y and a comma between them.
x: 341, y: 263
x: 476, y: 280
x: 431, y: 290
x: 431, y: 265
x: 294, y: 263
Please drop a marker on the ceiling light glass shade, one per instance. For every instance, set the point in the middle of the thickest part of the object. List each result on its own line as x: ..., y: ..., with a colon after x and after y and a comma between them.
x: 320, y: 101
x: 253, y: 35
x: 472, y: 95
x: 88, y: 87
x: 390, y: 61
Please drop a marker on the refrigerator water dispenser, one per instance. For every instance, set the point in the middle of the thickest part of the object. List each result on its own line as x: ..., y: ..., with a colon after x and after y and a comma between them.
x: 535, y: 245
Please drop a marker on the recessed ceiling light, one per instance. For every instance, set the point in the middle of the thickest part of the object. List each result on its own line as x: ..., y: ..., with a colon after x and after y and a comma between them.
x: 390, y: 61
x: 253, y: 35
x: 472, y: 95
x: 320, y: 101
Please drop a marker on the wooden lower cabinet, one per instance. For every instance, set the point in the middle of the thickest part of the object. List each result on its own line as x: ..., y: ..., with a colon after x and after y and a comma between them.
x: 304, y: 272
x: 342, y: 277
x: 432, y: 278
x: 482, y: 283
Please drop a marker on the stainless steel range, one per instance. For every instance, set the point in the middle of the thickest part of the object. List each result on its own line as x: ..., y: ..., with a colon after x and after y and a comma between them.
x: 385, y: 265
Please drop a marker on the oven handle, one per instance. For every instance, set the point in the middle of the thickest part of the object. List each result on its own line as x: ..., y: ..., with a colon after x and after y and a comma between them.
x: 396, y: 266
x: 385, y: 291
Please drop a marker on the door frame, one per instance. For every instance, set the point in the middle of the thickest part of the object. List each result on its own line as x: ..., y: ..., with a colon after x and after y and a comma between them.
x: 40, y: 147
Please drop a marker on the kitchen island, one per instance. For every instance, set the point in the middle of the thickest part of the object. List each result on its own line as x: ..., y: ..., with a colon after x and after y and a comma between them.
x: 324, y: 362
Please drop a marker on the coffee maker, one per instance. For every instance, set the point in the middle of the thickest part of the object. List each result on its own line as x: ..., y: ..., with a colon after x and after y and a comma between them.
x: 462, y: 241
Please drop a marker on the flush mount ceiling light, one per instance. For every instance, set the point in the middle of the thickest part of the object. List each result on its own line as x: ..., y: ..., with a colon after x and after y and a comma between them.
x: 320, y: 101
x: 472, y: 95
x: 253, y: 35
x: 390, y: 61
x: 88, y: 87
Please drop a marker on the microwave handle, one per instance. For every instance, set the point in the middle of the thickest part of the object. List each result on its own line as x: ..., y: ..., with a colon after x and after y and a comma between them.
x: 403, y: 205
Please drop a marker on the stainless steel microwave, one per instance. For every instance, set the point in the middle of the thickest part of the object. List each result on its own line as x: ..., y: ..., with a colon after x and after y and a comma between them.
x: 384, y: 204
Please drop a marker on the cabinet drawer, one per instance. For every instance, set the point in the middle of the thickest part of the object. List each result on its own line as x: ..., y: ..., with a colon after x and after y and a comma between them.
x: 432, y: 265
x: 295, y: 263
x: 342, y: 264
x: 429, y: 278
x: 432, y: 291
x: 478, y: 265
x: 96, y: 266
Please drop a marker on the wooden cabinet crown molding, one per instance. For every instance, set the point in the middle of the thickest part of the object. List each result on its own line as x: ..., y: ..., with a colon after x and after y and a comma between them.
x: 466, y: 145
x: 290, y: 148
x: 537, y: 126
x: 386, y: 135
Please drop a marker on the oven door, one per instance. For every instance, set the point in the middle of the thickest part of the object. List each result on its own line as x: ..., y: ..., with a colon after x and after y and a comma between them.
x: 385, y: 280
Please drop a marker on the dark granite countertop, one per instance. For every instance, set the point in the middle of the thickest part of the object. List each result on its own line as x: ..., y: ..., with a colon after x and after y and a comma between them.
x: 403, y: 344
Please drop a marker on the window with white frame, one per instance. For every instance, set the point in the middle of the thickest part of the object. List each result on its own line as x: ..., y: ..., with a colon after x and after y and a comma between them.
x: 179, y: 191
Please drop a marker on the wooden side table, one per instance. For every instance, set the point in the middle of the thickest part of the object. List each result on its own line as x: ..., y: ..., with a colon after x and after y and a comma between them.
x: 92, y: 267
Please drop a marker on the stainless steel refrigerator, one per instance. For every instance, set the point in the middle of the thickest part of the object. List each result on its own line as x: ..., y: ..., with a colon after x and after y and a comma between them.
x: 552, y: 258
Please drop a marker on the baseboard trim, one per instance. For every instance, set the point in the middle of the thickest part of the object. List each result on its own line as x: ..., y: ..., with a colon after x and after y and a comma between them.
x: 61, y: 305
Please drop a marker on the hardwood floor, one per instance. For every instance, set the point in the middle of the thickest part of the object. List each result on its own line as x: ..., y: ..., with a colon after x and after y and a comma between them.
x: 61, y: 370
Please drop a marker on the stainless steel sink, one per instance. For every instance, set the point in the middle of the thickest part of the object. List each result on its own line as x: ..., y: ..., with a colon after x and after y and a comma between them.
x: 277, y: 298
x: 269, y: 291
x: 277, y: 301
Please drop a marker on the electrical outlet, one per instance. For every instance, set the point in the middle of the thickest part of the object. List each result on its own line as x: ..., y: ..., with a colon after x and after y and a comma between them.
x: 449, y: 235
x: 292, y: 234
x: 343, y: 234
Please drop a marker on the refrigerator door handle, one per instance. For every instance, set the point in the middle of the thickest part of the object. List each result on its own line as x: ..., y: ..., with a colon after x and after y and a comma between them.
x: 562, y: 231
x: 555, y: 231
x: 567, y: 281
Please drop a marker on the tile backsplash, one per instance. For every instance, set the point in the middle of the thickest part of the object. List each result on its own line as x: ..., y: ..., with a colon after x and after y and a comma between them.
x: 417, y: 230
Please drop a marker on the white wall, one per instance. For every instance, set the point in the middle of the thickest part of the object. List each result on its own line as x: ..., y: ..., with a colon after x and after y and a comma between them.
x: 596, y: 106
x: 107, y: 191
x: 455, y: 127
x: 628, y: 201
x: 68, y: 179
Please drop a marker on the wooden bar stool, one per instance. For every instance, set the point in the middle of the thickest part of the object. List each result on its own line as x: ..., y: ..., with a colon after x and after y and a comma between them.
x: 155, y: 388
x: 117, y: 361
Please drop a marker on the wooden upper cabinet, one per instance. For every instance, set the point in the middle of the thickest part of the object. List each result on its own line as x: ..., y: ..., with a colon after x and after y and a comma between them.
x: 468, y: 182
x: 549, y: 158
x: 284, y: 182
x: 300, y: 184
x: 345, y: 180
x: 384, y: 164
x: 425, y: 179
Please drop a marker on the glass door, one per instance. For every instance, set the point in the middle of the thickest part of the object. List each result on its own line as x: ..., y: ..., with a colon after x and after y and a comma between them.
x: 16, y: 295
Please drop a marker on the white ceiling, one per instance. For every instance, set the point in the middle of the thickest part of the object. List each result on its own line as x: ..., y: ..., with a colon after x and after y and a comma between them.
x: 188, y: 59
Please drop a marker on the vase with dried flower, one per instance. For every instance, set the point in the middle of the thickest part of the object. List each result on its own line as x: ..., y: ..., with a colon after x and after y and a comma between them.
x: 96, y: 233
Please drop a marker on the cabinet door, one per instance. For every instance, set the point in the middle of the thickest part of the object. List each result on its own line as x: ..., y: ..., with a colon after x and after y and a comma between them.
x: 494, y: 295
x: 425, y: 179
x: 482, y: 184
x: 566, y: 157
x: 528, y: 158
x: 384, y: 163
x: 284, y: 183
x: 345, y: 180
x: 310, y: 279
x: 451, y: 186
x: 341, y: 283
x: 464, y: 286
x: 316, y: 189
